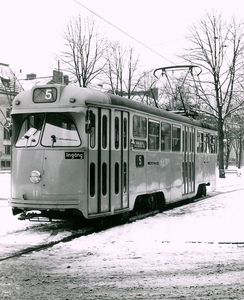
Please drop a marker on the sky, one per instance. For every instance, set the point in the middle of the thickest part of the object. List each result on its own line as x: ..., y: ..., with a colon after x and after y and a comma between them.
x: 31, y: 30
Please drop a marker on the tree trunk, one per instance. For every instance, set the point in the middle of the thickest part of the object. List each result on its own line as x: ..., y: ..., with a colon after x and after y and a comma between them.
x: 227, y: 156
x: 221, y: 149
x: 240, y: 153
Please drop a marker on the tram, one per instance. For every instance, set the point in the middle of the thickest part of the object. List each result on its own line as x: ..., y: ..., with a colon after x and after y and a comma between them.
x: 78, y: 152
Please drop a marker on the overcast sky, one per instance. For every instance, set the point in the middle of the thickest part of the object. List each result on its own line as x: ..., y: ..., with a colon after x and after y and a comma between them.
x: 31, y: 30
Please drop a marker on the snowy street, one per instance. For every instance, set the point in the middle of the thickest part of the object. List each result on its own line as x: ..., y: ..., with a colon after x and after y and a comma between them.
x: 195, y: 251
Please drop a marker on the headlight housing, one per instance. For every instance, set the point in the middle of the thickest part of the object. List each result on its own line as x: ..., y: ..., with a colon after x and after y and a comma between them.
x: 35, y: 176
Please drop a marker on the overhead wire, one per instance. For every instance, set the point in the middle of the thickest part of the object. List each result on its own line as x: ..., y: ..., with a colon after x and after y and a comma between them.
x: 130, y: 36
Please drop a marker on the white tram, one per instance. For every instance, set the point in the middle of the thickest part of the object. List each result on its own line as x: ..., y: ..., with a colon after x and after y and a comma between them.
x: 81, y: 152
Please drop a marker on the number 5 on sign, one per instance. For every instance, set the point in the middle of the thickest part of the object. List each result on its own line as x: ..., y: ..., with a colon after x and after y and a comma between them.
x: 48, y: 94
x: 45, y: 95
x: 139, y: 161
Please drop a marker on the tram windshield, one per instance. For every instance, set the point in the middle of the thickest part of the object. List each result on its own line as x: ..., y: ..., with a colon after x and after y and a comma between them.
x: 57, y: 130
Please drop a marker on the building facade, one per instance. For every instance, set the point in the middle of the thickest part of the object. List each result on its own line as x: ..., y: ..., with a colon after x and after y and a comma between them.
x: 9, y: 88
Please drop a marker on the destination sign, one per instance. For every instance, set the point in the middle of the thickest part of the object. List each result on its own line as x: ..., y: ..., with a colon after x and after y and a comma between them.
x: 74, y: 155
x: 139, y: 144
x: 139, y: 161
x: 45, y: 95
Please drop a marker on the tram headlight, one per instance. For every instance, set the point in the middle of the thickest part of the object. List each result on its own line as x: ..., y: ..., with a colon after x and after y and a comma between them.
x: 35, y: 176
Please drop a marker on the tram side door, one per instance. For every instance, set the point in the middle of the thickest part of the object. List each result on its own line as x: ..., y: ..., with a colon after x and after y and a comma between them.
x: 120, y: 160
x: 107, y: 161
x: 99, y: 161
x: 188, y: 162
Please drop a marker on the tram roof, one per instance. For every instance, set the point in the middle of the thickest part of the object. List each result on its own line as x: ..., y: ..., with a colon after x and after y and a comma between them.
x: 124, y: 102
x: 86, y: 96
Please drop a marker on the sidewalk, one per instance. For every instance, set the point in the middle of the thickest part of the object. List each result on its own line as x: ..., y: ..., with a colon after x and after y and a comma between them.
x: 231, y: 180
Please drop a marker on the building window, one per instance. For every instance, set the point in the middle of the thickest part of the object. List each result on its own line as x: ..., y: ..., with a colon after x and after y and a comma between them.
x: 8, y: 110
x: 7, y: 149
x: 5, y: 164
x: 6, y: 134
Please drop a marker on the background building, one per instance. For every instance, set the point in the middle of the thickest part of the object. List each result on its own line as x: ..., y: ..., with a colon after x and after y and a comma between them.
x: 9, y: 88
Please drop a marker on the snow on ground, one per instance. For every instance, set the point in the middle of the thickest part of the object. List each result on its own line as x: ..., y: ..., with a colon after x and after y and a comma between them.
x: 5, y: 180
x: 195, y: 251
x: 8, y: 222
x: 209, y: 220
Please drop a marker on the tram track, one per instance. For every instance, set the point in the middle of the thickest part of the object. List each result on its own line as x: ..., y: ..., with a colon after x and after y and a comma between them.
x: 72, y: 231
x: 77, y: 232
x: 47, y: 245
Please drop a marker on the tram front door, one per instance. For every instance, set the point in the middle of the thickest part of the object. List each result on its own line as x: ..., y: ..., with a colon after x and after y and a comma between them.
x: 108, y: 155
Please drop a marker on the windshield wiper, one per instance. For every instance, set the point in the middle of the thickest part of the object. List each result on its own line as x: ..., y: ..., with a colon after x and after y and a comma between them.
x: 31, y: 132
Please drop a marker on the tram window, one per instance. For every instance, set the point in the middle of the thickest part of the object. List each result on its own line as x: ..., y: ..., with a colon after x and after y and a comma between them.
x: 116, y: 178
x: 192, y: 140
x: 212, y: 144
x: 60, y: 131
x: 165, y: 136
x: 184, y: 139
x: 139, y: 127
x: 92, y: 180
x: 30, y: 131
x: 125, y: 133
x: 206, y: 143
x: 104, y: 179
x: 176, y: 138
x: 153, y: 135
x: 116, y: 132
x: 93, y: 131
x: 125, y: 176
x: 104, y: 131
x: 200, y: 142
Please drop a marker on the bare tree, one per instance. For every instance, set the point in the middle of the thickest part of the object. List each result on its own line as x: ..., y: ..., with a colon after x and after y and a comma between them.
x: 217, y: 47
x: 83, y: 58
x: 234, y: 136
x: 122, y: 70
x: 147, y: 90
x: 177, y: 96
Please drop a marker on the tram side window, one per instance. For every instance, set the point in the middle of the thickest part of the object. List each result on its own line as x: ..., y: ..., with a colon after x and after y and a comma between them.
x: 30, y: 131
x: 165, y: 136
x: 139, y: 127
x: 206, y: 143
x: 176, y: 138
x: 153, y: 135
x: 212, y: 144
x: 200, y: 142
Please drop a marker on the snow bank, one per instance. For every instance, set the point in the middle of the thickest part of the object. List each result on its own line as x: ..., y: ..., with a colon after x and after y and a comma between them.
x: 5, y: 179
